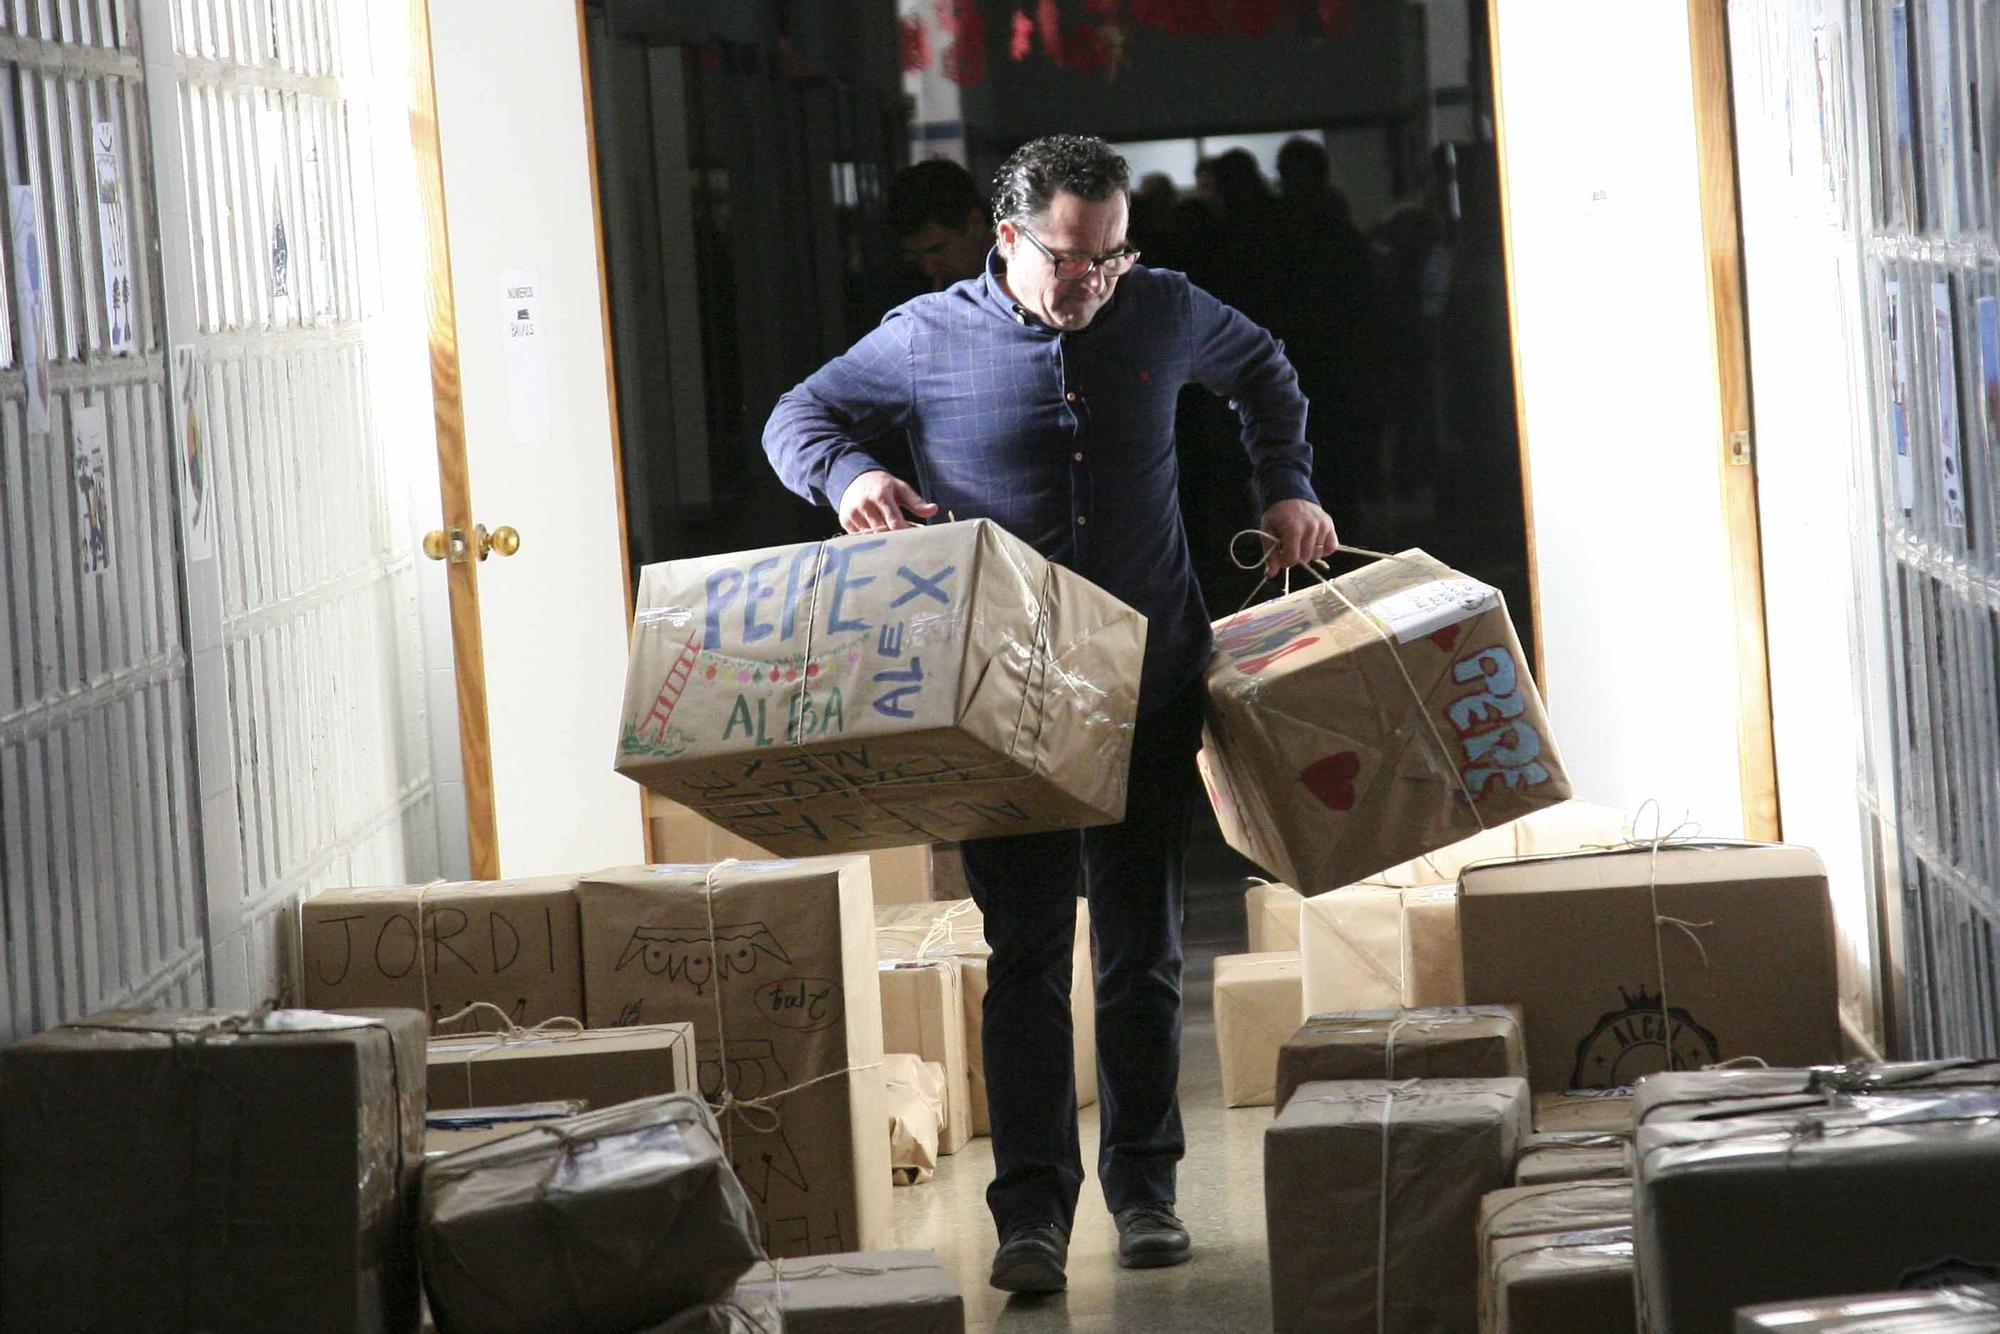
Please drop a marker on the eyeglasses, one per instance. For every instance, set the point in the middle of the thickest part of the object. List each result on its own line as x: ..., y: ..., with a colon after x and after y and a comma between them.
x: 1069, y: 268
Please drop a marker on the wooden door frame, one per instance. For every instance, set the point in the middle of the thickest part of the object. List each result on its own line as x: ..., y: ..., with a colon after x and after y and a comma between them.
x: 1715, y: 151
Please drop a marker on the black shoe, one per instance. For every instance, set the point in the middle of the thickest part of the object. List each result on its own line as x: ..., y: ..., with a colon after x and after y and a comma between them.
x: 1151, y: 1237
x: 1031, y: 1259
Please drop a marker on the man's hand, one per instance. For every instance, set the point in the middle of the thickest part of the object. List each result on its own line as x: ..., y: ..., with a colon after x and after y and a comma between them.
x: 874, y: 503
x: 1304, y: 532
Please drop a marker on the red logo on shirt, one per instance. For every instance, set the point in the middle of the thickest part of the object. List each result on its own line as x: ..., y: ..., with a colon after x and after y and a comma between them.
x: 1145, y: 377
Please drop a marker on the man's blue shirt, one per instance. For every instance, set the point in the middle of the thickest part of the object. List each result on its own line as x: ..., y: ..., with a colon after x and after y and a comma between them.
x: 1065, y: 440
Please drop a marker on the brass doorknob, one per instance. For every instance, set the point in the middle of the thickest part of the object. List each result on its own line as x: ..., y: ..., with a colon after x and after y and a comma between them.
x: 436, y: 545
x: 503, y: 540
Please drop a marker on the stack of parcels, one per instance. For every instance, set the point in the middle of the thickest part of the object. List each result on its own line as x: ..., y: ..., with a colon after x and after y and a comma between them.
x: 900, y: 875
x: 1960, y: 1309
x: 1475, y: 1042
x: 913, y: 1088
x: 773, y: 964
x: 1393, y: 938
x: 169, y: 1171
x: 1355, y: 725
x: 1819, y: 1192
x: 1557, y: 1259
x: 609, y: 1221
x: 1257, y: 1005
x: 512, y: 944
x: 929, y: 685
x: 600, y: 1067
x: 1371, y: 1194
x: 879, y: 1292
x: 1675, y: 957
x: 1584, y: 1135
x: 952, y: 936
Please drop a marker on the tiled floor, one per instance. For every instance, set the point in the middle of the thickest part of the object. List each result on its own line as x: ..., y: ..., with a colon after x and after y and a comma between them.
x: 1226, y: 1287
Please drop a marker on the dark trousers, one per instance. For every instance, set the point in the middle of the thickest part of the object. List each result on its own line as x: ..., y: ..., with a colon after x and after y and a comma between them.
x: 1134, y: 876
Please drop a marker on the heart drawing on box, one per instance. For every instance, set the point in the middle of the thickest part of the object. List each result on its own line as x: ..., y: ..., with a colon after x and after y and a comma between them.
x: 1332, y: 779
x: 1446, y: 639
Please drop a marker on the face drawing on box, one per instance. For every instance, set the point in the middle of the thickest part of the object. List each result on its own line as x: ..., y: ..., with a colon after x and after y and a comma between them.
x: 684, y: 953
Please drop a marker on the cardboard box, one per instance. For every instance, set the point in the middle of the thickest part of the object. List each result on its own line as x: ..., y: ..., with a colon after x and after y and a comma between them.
x: 1482, y: 1042
x: 1333, y: 1203
x: 900, y: 875
x: 452, y: 1130
x: 773, y: 963
x: 1585, y: 1111
x: 1572, y: 1155
x: 1272, y: 912
x: 1557, y: 1260
x: 1371, y: 948
x: 914, y: 1094
x: 1745, y: 932
x: 937, y: 683
x: 613, y: 1220
x: 1866, y: 1192
x: 1714, y: 1095
x: 167, y: 1171
x: 1964, y: 1309
x: 438, y: 948
x: 1257, y: 1006
x: 878, y: 1292
x: 1340, y: 742
x: 602, y: 1067
x: 923, y: 1014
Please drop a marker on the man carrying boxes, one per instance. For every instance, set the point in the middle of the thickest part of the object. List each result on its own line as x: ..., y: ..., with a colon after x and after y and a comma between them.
x: 1041, y: 394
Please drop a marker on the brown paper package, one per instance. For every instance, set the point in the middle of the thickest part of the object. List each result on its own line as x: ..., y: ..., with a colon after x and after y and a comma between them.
x: 781, y: 954
x: 1272, y: 914
x: 1373, y: 948
x: 1557, y: 1259
x: 439, y: 948
x: 1321, y: 761
x: 1465, y: 1042
x: 1257, y: 1006
x: 913, y: 1092
x: 167, y: 1171
x: 1597, y: 1111
x: 923, y: 1014
x: 1328, y: 1191
x: 1569, y: 1155
x: 1575, y: 942
x: 603, y: 1223
x: 602, y: 1067
x: 1865, y: 1192
x: 877, y: 1292
x: 933, y: 684
x: 901, y: 875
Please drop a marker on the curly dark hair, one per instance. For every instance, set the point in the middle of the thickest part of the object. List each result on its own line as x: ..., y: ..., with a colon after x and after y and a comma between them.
x: 1081, y: 164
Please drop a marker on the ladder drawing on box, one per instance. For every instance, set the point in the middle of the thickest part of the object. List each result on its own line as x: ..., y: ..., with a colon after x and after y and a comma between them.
x: 666, y: 702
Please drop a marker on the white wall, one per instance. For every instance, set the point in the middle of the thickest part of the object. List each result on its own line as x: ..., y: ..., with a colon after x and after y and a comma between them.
x: 1618, y: 389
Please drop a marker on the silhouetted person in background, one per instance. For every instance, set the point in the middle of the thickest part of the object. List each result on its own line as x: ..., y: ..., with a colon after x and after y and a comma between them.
x: 937, y: 217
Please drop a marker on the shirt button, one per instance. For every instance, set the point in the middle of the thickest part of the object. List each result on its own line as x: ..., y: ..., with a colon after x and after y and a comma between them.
x: 1083, y: 518
x: 1077, y: 457
x: 1070, y: 397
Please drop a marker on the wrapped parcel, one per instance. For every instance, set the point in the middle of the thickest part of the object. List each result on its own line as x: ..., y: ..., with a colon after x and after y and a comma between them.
x: 1356, y: 725
x: 931, y: 685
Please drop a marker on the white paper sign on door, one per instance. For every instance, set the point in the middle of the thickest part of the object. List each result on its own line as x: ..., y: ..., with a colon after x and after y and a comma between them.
x: 93, y: 487
x: 111, y: 243
x: 28, y: 286
x: 527, y: 358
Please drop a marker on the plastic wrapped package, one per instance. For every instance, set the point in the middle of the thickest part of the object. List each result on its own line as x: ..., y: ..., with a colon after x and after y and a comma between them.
x: 1356, y: 725
x: 774, y: 965
x: 599, y: 1224
x: 1557, y: 1259
x: 1371, y: 1193
x: 1571, y: 1155
x: 934, y: 684
x: 1956, y: 1309
x: 1718, y: 1095
x: 1257, y: 1006
x: 167, y: 1171
x: 872, y: 1292
x: 1868, y: 1192
x: 1467, y: 1042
